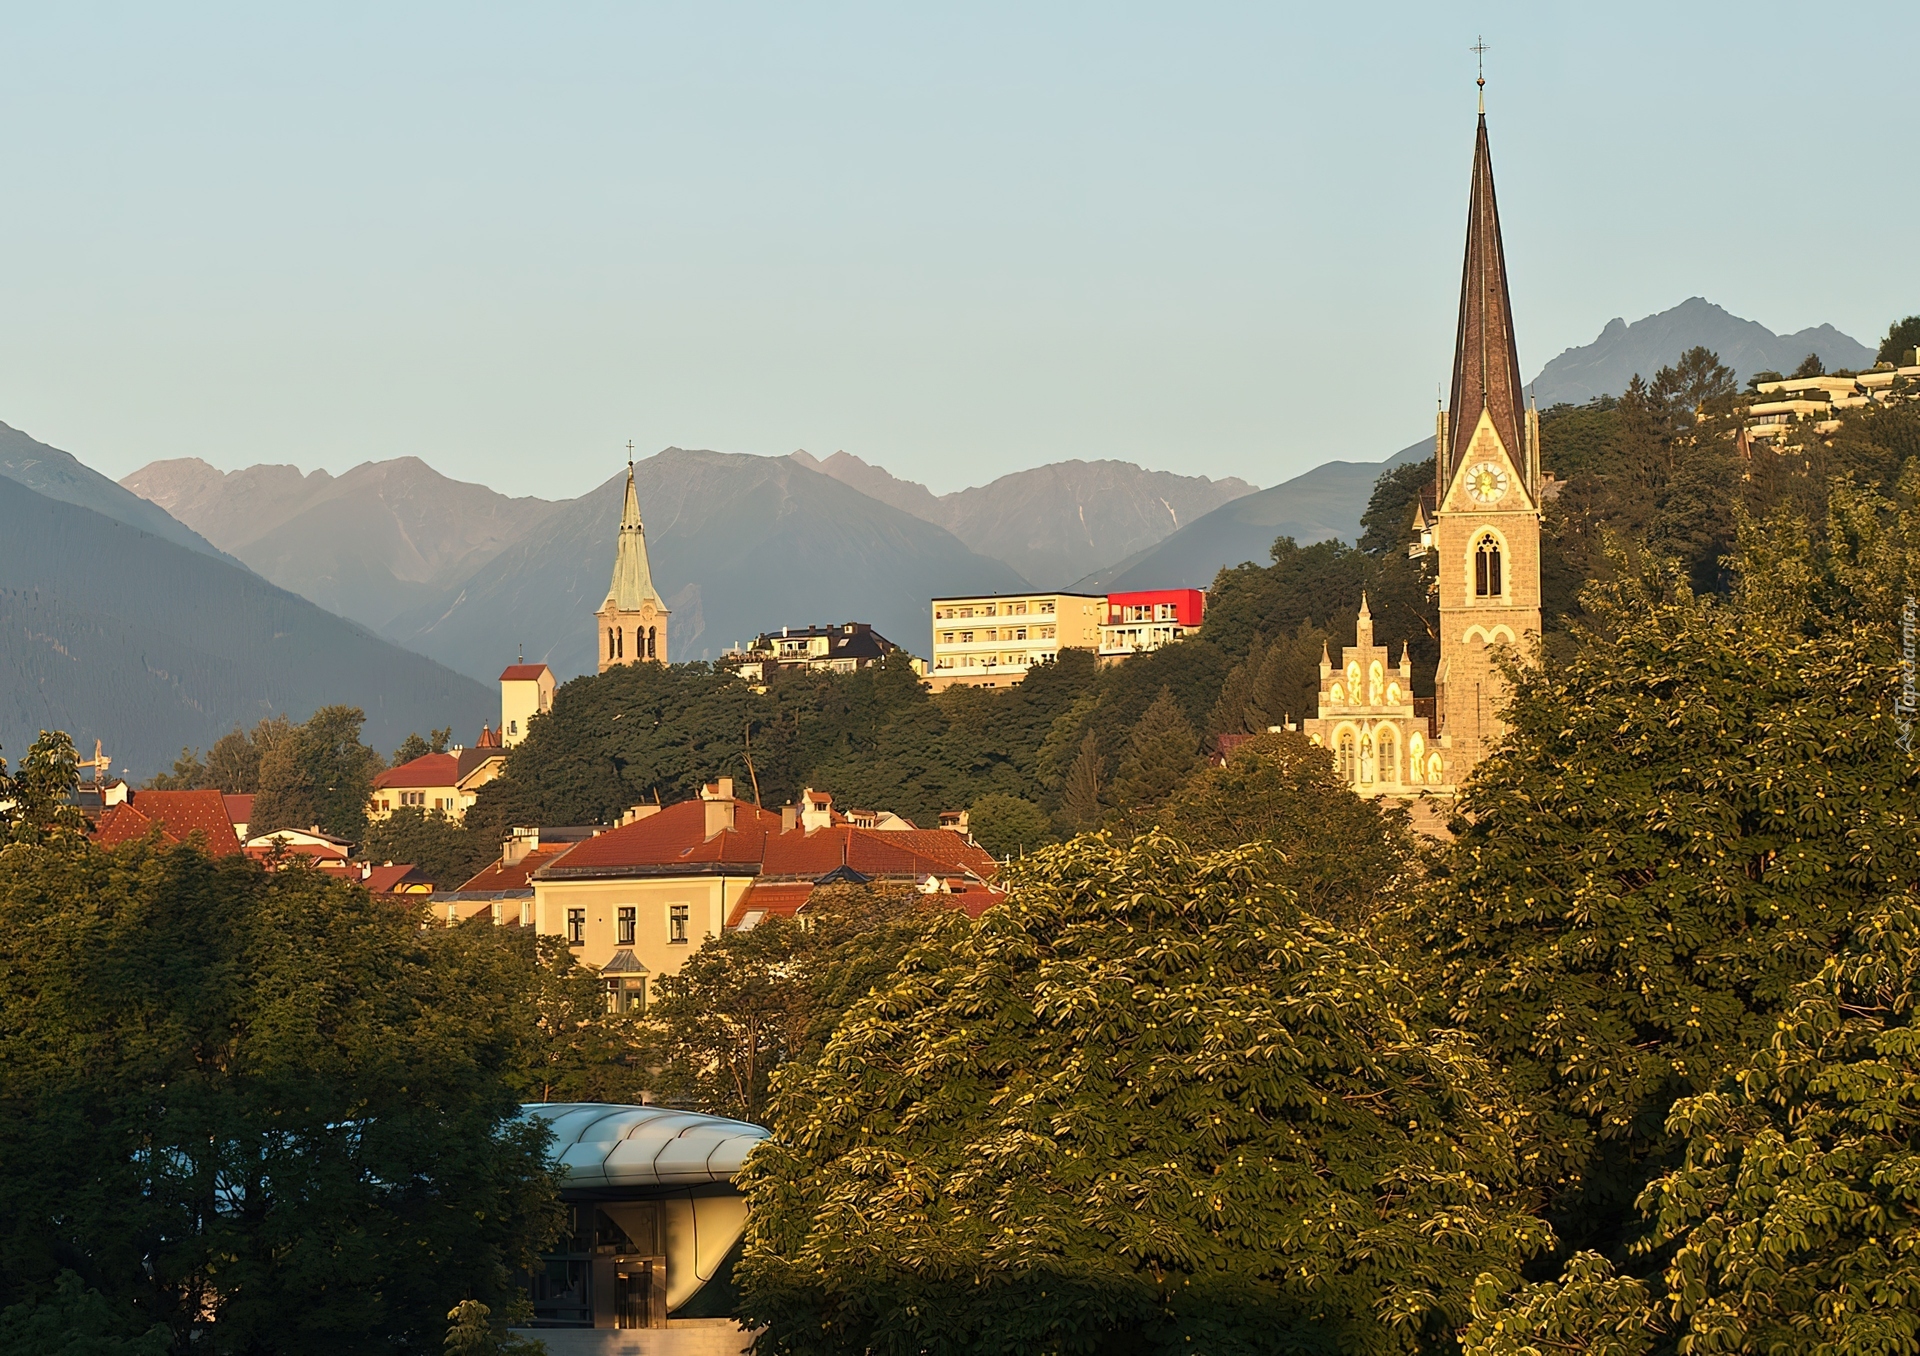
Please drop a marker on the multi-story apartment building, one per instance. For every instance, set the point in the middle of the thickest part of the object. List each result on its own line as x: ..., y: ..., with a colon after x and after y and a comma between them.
x: 1146, y: 620
x: 991, y: 640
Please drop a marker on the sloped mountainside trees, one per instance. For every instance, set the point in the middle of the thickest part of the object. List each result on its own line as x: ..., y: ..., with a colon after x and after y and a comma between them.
x: 1147, y: 1105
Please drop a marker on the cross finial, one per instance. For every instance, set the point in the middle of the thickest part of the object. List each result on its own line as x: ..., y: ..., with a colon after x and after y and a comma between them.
x: 1480, y: 50
x: 629, y: 454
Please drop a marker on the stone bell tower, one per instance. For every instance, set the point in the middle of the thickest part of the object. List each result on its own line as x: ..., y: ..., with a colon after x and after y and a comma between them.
x: 632, y: 623
x: 1487, y: 492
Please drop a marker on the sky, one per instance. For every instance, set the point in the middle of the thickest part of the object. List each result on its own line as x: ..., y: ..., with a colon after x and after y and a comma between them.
x: 955, y: 241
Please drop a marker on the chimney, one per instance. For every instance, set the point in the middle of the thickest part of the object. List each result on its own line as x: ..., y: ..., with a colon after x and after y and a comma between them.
x: 719, y: 815
x: 816, y: 810
x: 789, y: 817
x: 519, y: 843
x: 633, y: 816
x: 719, y: 789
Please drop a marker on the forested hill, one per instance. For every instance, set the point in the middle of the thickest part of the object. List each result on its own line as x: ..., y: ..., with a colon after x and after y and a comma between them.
x: 110, y: 632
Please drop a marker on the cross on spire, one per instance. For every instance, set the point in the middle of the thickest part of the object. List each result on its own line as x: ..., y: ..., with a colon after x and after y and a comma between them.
x: 1480, y: 50
x: 629, y: 455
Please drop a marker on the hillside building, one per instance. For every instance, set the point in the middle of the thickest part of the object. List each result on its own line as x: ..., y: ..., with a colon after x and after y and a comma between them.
x: 1142, y: 621
x: 830, y: 649
x: 992, y: 640
x: 173, y: 817
x: 1792, y: 401
x: 631, y: 624
x: 526, y: 691
x: 447, y: 782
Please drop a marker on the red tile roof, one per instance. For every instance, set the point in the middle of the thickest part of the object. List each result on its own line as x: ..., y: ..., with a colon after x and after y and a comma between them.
x: 517, y: 876
x: 429, y: 769
x: 180, y: 814
x: 322, y: 854
x: 381, y: 880
x: 239, y: 809
x: 782, y: 900
x: 522, y: 673
x: 675, y: 840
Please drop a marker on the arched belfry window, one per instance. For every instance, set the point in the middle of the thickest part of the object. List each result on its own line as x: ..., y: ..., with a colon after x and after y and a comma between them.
x: 1486, y: 567
x: 1343, y: 757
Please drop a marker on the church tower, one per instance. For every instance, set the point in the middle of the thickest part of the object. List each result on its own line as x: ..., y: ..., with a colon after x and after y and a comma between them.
x: 1487, y: 521
x: 632, y: 623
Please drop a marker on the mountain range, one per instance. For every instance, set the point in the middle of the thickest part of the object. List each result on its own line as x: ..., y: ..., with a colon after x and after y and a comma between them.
x: 1054, y: 523
x: 162, y: 611
x: 113, y: 632
x: 1605, y: 366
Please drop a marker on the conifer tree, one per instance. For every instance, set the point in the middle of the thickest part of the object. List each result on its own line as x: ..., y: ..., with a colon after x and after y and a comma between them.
x: 1084, y: 801
x: 1162, y: 750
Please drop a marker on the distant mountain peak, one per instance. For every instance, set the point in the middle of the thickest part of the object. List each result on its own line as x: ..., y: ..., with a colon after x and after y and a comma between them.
x: 1621, y: 350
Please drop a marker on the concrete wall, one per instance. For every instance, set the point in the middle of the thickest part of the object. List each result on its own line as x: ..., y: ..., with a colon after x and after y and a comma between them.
x: 681, y: 1337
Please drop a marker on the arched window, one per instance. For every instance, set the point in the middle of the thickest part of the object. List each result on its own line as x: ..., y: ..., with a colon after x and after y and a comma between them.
x: 1486, y: 568
x: 1343, y: 756
x: 650, y: 638
x: 1389, y: 755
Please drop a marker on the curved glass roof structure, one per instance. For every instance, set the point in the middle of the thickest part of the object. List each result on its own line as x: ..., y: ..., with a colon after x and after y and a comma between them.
x: 611, y: 1147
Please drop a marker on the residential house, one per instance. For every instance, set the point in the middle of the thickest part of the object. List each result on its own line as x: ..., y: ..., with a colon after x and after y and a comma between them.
x: 176, y: 816
x: 448, y: 782
x: 832, y: 649
x: 635, y: 901
x: 1146, y: 620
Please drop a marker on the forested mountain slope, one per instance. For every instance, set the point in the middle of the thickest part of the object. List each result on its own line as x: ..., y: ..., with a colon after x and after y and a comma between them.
x: 113, y: 633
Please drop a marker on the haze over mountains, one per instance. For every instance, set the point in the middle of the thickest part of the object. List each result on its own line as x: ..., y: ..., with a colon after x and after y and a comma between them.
x: 1605, y: 366
x: 147, y: 613
x: 370, y: 544
x: 108, y: 631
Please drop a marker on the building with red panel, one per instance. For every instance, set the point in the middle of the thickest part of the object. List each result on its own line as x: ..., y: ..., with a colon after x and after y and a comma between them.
x: 1147, y: 619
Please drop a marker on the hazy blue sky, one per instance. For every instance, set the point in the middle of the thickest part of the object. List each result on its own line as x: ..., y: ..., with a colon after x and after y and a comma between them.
x: 957, y: 241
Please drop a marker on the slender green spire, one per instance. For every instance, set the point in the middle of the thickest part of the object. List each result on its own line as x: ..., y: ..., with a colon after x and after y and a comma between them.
x: 632, y: 577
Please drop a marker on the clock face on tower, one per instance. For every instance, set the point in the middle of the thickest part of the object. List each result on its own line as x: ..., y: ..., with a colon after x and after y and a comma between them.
x: 1487, y: 483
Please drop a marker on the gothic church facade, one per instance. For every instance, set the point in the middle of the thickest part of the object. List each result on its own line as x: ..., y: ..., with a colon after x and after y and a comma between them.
x: 1486, y: 537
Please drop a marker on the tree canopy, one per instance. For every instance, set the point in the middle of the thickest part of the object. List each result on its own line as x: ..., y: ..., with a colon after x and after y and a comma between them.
x: 1149, y: 1100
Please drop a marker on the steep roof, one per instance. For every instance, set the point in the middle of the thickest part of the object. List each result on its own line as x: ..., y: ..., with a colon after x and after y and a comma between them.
x: 179, y: 814
x: 239, y: 809
x: 523, y: 673
x: 1486, y: 363
x: 632, y: 576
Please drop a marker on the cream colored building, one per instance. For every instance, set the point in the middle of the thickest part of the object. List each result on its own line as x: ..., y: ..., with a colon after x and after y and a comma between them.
x: 526, y: 691
x: 992, y: 640
x: 1794, y: 399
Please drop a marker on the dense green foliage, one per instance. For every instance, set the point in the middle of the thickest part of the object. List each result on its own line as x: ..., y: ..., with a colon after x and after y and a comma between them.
x: 751, y: 1002
x: 445, y: 849
x: 256, y: 1098
x: 1007, y: 826
x: 1903, y: 337
x: 1149, y: 1102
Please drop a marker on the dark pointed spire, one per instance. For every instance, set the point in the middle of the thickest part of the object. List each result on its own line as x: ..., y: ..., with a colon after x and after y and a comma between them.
x: 1486, y: 365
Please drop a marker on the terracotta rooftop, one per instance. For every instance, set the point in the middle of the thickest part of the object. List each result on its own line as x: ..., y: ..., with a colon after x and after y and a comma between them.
x: 522, y: 673
x: 239, y: 809
x: 180, y: 815
x: 519, y: 875
x: 436, y: 769
x: 675, y: 841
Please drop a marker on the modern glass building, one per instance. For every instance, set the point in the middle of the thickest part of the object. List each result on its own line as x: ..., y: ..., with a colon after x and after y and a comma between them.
x: 655, y: 1224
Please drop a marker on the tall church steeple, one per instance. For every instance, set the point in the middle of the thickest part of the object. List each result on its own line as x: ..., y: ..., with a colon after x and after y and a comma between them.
x: 1486, y: 362
x: 633, y: 619
x: 1487, y: 516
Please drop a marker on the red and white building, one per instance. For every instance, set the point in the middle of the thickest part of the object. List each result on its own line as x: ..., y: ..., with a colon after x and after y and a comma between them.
x: 1147, y: 619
